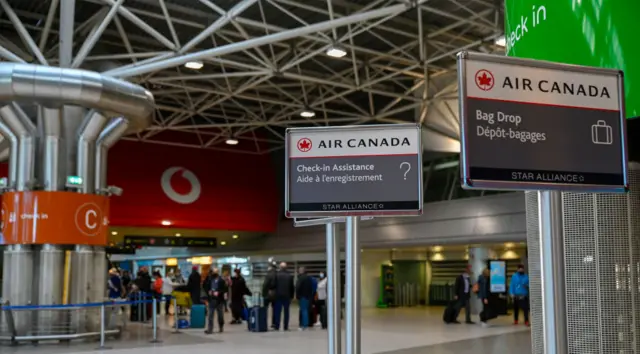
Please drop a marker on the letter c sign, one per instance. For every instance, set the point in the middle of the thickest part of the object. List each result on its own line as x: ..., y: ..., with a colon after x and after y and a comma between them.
x: 88, y: 217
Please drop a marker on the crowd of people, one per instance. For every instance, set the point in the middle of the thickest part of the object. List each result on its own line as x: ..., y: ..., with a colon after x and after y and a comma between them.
x: 463, y: 290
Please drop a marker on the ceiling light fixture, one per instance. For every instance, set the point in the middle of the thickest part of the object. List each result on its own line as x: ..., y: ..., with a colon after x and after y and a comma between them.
x: 223, y: 243
x: 178, y: 235
x: 235, y: 236
x: 336, y: 52
x: 231, y: 141
x: 195, y: 65
x: 166, y: 223
x: 307, y: 114
x: 501, y: 41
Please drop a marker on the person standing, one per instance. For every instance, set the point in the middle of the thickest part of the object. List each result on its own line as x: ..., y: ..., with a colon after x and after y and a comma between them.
x: 462, y: 289
x: 284, y: 292
x: 194, y: 285
x: 269, y: 292
x: 238, y: 290
x: 216, y: 288
x: 519, y: 291
x: 487, y: 298
x: 304, y: 294
x: 167, y: 291
x: 116, y: 290
x: 322, y: 300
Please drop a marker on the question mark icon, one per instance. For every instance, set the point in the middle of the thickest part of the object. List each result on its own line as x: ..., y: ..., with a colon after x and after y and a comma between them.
x: 408, y: 169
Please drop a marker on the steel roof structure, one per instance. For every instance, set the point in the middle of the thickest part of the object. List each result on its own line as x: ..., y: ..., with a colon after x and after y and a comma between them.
x: 264, y: 62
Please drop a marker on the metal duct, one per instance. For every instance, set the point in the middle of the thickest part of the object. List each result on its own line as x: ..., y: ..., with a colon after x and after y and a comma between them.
x: 109, y: 135
x: 86, y: 158
x: 55, y: 87
x: 26, y: 144
x: 51, y: 120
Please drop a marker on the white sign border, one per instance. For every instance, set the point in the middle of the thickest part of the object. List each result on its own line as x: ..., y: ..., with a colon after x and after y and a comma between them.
x: 468, y: 183
x: 379, y: 213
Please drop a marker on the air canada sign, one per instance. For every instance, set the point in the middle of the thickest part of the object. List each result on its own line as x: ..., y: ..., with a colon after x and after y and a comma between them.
x: 535, y: 125
x: 363, y: 143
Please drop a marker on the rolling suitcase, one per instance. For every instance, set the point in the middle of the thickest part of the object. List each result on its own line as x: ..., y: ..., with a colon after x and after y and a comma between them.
x: 257, y: 321
x: 449, y: 315
x: 198, y: 316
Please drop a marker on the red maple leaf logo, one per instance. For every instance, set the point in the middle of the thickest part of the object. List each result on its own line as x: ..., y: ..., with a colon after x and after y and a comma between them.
x: 484, y: 80
x: 304, y: 144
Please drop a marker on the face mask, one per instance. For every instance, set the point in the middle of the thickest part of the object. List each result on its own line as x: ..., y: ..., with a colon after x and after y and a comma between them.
x: 215, y: 275
x: 321, y: 275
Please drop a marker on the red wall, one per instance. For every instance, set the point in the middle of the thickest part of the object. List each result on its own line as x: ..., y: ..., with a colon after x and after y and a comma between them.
x: 238, y: 191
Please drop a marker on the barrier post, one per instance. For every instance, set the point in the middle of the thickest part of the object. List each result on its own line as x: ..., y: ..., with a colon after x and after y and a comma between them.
x: 175, y: 316
x: 102, y: 327
x: 154, y: 321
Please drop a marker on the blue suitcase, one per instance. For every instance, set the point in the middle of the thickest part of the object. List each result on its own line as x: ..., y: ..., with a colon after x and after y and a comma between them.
x: 257, y: 319
x: 198, y: 316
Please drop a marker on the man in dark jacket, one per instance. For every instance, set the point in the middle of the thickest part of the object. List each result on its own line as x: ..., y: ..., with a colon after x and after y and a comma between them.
x: 462, y: 291
x: 216, y: 288
x: 284, y: 292
x: 238, y: 290
x: 269, y: 292
x: 143, y: 281
x: 304, y: 294
x: 194, y: 286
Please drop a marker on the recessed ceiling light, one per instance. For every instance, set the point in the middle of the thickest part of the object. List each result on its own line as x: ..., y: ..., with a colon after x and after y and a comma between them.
x: 196, y: 65
x: 114, y: 233
x: 336, y: 52
x: 307, y: 114
x: 437, y: 248
x: 235, y: 236
x: 232, y: 141
x: 223, y: 243
x: 178, y: 235
x: 501, y: 41
x: 166, y: 222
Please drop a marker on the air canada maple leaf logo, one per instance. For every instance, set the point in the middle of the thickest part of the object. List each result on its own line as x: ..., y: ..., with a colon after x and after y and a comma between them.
x: 304, y: 144
x: 484, y: 80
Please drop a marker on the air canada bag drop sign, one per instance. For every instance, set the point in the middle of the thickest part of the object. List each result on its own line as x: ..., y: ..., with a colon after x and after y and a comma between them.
x: 533, y: 125
x: 346, y: 171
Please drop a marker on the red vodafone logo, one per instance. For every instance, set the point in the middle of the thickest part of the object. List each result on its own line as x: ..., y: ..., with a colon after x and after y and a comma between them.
x: 186, y: 196
x: 89, y: 218
x: 304, y: 144
x: 484, y: 80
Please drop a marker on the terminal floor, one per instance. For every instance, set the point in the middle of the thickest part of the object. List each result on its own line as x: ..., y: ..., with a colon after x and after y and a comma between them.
x: 390, y: 331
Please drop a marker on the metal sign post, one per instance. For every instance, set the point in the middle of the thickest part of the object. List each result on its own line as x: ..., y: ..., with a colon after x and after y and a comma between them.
x: 533, y: 125
x: 333, y: 301
x: 344, y: 173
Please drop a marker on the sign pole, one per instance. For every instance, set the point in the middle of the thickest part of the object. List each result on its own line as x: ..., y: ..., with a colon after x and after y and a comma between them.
x: 334, y: 299
x: 353, y: 287
x: 552, y: 276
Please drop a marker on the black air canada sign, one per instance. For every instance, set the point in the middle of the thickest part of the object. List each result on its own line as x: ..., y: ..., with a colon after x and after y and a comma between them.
x: 539, y: 125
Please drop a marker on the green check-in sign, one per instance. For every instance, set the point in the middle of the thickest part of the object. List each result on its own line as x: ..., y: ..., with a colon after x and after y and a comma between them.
x: 601, y: 33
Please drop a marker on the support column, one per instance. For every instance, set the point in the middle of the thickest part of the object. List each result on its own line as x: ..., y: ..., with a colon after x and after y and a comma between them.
x: 478, y: 257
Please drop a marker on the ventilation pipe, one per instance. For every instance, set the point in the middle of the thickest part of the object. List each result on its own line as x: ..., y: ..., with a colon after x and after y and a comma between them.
x: 51, y: 120
x: 15, y: 120
x: 13, y: 150
x: 109, y: 135
x: 86, y: 162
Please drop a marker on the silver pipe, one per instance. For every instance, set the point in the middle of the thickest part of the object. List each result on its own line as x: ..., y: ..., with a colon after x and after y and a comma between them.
x: 552, y: 272
x: 8, y: 134
x: 352, y: 330
x: 52, y: 119
x: 51, y: 86
x: 26, y: 146
x: 103, y: 318
x: 109, y: 135
x: 86, y: 158
x: 37, y: 338
x: 333, y: 302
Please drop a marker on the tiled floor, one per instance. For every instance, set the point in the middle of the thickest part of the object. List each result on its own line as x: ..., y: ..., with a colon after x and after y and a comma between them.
x: 390, y: 331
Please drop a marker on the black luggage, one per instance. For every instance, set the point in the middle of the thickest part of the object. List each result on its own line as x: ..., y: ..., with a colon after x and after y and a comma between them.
x: 257, y: 319
x: 449, y: 315
x: 488, y: 314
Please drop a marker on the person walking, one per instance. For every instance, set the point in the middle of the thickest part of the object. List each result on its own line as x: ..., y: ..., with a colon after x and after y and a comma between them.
x: 322, y: 300
x: 216, y: 288
x: 284, y: 292
x: 488, y: 299
x: 519, y: 291
x: 462, y: 295
x: 304, y: 294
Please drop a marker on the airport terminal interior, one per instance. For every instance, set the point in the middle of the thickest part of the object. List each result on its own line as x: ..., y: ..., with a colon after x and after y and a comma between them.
x: 157, y: 193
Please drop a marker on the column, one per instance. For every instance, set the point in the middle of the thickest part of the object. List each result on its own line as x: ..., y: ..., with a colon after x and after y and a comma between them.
x: 600, y: 230
x: 478, y: 257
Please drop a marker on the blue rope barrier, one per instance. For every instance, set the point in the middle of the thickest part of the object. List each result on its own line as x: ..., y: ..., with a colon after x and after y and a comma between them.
x: 86, y: 305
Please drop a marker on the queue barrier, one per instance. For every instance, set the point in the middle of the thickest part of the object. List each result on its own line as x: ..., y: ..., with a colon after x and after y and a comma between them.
x: 35, y: 323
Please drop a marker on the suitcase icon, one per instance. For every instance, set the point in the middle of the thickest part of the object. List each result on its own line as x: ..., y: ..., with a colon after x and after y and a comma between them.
x: 601, y: 133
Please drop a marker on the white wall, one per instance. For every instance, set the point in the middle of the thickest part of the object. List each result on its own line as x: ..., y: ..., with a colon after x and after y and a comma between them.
x: 371, y: 260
